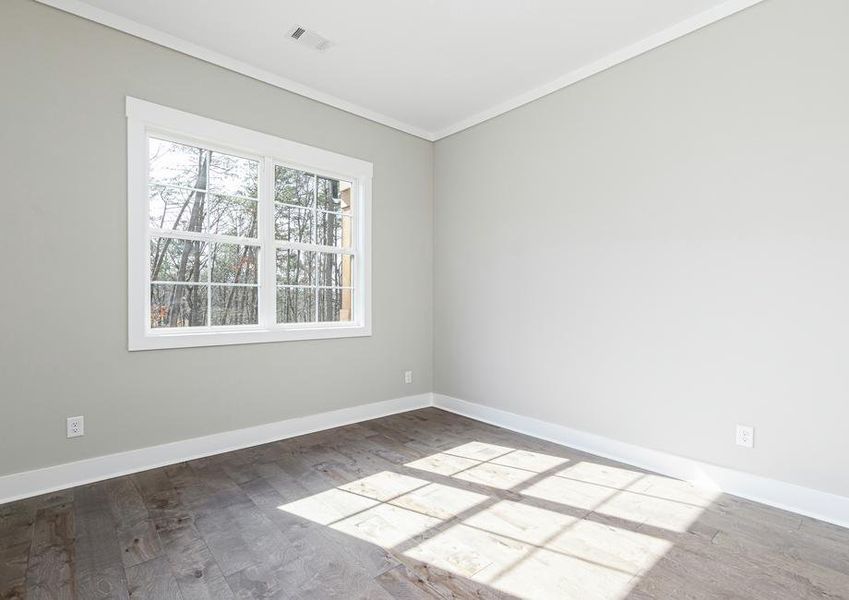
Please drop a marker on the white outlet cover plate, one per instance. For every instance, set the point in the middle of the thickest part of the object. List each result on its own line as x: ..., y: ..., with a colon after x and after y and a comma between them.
x: 76, y: 427
x: 746, y: 436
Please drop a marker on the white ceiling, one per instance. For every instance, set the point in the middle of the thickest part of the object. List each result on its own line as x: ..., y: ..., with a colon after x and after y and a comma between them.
x: 428, y: 67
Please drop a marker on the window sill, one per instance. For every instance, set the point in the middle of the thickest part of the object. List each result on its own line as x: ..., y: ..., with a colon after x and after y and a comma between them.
x: 182, y: 339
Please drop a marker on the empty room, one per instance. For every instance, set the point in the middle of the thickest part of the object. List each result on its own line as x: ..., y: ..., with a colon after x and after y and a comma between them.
x: 426, y: 299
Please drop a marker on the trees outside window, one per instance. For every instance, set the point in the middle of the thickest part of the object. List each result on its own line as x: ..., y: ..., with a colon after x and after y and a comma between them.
x: 243, y: 241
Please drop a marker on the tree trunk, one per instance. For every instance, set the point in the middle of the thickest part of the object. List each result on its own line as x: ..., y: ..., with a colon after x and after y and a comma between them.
x: 180, y: 303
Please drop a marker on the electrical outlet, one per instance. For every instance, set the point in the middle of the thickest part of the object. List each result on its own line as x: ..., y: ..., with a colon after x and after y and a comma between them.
x: 746, y: 436
x: 408, y: 377
x: 76, y: 427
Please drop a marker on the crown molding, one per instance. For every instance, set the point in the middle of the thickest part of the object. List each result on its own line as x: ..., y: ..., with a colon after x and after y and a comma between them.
x: 134, y: 28
x: 656, y: 40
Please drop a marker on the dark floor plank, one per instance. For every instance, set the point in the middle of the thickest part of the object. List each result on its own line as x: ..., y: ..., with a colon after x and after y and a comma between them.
x: 16, y: 535
x: 13, y: 571
x: 99, y: 566
x: 405, y: 585
x: 139, y: 543
x: 197, y: 573
x: 51, y: 571
x: 153, y: 580
x: 125, y: 501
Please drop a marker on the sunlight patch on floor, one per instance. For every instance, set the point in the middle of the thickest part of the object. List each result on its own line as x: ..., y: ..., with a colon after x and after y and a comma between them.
x: 529, y: 461
x: 531, y: 552
x: 479, y: 451
x: 330, y: 506
x: 637, y: 497
x: 386, y: 525
x: 496, y: 476
x: 522, y: 522
x: 384, y: 485
x: 440, y: 501
x: 487, y: 464
x: 675, y: 490
x: 527, y: 548
x: 443, y: 464
x: 577, y: 494
x: 590, y: 472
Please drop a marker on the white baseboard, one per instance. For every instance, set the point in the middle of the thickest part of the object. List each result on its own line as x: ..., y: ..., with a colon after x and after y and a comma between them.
x: 787, y: 496
x: 41, y: 481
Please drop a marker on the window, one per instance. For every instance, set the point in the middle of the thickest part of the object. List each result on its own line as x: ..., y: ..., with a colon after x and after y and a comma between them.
x: 237, y: 237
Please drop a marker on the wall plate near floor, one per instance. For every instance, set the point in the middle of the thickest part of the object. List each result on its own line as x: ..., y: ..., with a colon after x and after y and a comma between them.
x: 76, y: 427
x: 746, y: 436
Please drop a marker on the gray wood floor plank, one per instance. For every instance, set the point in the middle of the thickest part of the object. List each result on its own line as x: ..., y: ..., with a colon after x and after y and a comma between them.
x: 417, y: 505
x: 139, y: 543
x: 404, y: 585
x: 50, y: 572
x: 99, y: 565
x: 13, y: 570
x: 125, y: 501
x: 197, y: 572
x: 153, y: 580
x: 448, y: 585
x: 16, y: 531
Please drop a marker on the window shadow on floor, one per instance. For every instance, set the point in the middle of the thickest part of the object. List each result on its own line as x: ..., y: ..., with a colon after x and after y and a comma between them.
x: 423, y: 504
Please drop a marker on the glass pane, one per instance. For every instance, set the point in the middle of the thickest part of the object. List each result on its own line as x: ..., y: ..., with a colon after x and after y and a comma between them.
x: 293, y: 187
x: 293, y: 224
x: 334, y: 304
x: 177, y: 164
x: 229, y: 215
x: 335, y: 270
x: 295, y: 267
x: 333, y: 230
x: 232, y: 263
x: 234, y: 305
x: 333, y: 195
x: 177, y: 305
x: 178, y: 260
x: 176, y: 208
x: 232, y: 175
x: 295, y: 305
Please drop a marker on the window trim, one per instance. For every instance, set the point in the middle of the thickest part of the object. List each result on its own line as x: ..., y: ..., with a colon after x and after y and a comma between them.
x: 145, y: 119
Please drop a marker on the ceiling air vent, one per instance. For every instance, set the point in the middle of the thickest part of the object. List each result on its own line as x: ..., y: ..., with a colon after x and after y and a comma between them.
x: 309, y: 38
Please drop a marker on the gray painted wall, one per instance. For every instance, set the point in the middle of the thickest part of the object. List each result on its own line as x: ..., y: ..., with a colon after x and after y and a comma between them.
x: 660, y: 252
x: 63, y: 349
x: 654, y: 254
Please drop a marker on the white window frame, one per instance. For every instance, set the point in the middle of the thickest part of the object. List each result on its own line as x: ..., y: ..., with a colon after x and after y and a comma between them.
x: 146, y: 119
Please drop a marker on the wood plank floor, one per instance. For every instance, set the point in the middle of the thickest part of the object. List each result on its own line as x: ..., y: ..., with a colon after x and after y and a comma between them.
x: 424, y: 504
